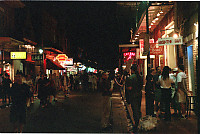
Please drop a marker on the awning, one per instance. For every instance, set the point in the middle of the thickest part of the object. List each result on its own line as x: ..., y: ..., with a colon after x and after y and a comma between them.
x: 9, y: 44
x: 155, y: 16
x: 50, y: 64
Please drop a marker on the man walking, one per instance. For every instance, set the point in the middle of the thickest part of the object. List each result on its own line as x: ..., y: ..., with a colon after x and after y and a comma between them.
x: 105, y: 86
x: 20, y: 93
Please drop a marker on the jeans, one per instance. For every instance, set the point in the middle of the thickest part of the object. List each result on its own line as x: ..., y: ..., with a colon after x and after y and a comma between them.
x: 166, y: 99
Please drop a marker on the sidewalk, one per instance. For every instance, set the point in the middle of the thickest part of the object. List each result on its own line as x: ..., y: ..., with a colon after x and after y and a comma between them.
x: 120, y: 123
x: 176, y: 126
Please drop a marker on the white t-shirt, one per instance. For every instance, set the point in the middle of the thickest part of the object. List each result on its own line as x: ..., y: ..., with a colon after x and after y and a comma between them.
x: 180, y: 76
x: 165, y: 83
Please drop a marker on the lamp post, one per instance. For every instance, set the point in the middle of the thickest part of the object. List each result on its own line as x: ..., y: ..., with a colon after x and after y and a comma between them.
x: 198, y: 79
x: 147, y: 36
x: 41, y: 51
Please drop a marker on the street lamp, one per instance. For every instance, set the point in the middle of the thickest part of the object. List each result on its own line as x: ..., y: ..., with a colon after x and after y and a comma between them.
x: 175, y: 36
x: 40, y: 51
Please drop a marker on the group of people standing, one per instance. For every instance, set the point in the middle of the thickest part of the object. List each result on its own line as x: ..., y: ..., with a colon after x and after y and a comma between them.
x: 165, y: 89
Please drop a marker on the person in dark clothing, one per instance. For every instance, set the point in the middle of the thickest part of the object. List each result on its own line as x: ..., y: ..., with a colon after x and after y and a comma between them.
x: 42, y: 90
x: 149, y: 95
x: 71, y: 82
x: 20, y: 93
x: 157, y: 89
x: 134, y: 85
x: 105, y: 87
x: 6, y: 88
x: 85, y: 79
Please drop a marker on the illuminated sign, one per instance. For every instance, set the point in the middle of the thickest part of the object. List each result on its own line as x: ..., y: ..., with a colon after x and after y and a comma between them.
x: 155, y: 49
x: 129, y: 55
x: 69, y: 61
x: 36, y: 57
x: 141, y: 43
x: 170, y: 41
x: 61, y: 57
x: 17, y: 55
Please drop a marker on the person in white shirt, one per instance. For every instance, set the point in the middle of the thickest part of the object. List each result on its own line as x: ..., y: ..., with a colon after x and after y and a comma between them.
x: 165, y: 84
x: 182, y: 89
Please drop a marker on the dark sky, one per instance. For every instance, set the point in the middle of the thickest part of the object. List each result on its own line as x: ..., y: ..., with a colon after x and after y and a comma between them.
x: 94, y: 26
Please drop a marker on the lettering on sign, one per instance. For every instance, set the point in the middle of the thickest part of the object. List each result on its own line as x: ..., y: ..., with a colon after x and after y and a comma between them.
x: 170, y: 41
x: 17, y: 55
x: 36, y: 57
x: 129, y: 55
x: 155, y: 49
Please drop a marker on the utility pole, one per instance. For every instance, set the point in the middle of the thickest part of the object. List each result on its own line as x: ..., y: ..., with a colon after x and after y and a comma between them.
x: 147, y: 37
x: 198, y: 79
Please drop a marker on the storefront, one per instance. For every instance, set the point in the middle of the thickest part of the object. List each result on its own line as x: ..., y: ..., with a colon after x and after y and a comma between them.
x: 160, y: 26
x: 55, y: 61
x: 8, y: 60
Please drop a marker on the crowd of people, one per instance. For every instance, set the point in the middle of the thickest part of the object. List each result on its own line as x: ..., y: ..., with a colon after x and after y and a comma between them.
x: 164, y: 89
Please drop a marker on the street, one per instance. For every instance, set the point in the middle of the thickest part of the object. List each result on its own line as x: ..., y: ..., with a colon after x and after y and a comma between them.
x: 81, y: 113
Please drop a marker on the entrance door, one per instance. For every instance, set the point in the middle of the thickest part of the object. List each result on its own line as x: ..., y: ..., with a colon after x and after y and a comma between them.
x: 190, y: 68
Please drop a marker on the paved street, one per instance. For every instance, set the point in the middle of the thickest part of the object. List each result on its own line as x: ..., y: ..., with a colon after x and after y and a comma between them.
x: 81, y: 112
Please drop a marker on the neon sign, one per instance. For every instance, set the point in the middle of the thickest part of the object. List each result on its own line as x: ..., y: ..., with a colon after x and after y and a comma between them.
x: 129, y: 55
x: 61, y: 57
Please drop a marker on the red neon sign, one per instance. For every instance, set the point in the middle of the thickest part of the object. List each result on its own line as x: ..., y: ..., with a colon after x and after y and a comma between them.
x: 129, y: 55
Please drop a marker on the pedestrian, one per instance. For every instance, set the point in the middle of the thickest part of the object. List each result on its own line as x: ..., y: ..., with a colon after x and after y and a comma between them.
x: 158, y: 104
x: 90, y: 82
x: 19, y: 93
x: 77, y: 81
x: 175, y: 103
x: 29, y: 82
x: 134, y: 85
x: 6, y: 83
x: 165, y: 83
x: 94, y: 82
x: 71, y: 77
x: 105, y: 86
x: 182, y: 90
x: 65, y: 84
x: 118, y: 82
x: 42, y: 90
x: 57, y: 85
x: 149, y: 93
x: 85, y: 79
x: 52, y: 89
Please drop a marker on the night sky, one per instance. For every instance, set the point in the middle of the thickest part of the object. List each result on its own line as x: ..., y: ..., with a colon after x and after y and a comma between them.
x: 96, y: 27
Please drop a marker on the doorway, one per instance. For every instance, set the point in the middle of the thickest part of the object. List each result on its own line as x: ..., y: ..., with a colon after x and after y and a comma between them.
x: 190, y: 68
